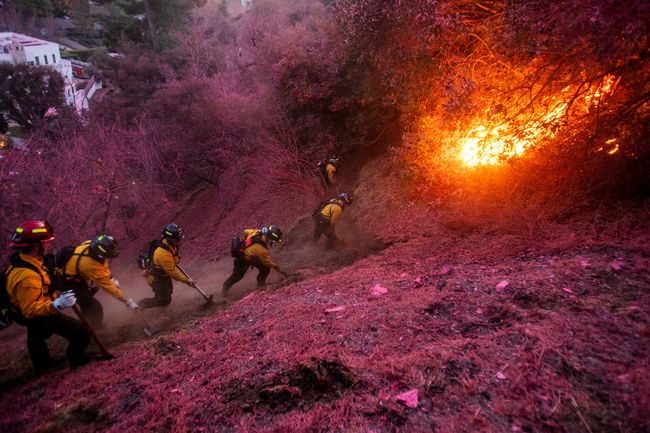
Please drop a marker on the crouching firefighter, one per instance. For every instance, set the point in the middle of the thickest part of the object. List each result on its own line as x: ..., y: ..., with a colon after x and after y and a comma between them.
x: 327, y: 216
x: 28, y: 287
x: 161, y: 267
x: 87, y: 271
x: 251, y: 249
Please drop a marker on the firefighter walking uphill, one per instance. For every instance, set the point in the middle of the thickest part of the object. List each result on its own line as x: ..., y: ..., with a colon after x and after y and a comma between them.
x: 328, y: 171
x: 87, y: 271
x: 28, y: 287
x: 327, y: 216
x: 163, y: 267
x: 251, y: 249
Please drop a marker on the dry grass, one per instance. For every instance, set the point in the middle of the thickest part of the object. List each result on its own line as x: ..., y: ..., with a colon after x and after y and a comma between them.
x: 562, y: 347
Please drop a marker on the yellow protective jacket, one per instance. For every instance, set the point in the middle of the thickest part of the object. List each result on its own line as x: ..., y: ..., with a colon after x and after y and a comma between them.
x: 330, y: 169
x: 332, y: 212
x: 96, y: 274
x: 166, y: 261
x: 29, y: 290
x: 257, y: 250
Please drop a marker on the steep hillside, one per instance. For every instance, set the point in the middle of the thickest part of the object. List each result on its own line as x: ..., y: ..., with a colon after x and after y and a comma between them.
x: 426, y: 321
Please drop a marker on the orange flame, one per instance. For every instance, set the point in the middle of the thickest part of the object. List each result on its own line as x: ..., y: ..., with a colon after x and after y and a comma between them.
x: 487, y: 144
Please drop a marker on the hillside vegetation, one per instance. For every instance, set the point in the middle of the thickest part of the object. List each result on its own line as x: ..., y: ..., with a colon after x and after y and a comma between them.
x: 487, y: 330
x: 495, y: 270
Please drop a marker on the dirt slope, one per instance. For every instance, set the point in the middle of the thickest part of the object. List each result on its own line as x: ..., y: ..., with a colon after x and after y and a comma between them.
x: 494, y: 332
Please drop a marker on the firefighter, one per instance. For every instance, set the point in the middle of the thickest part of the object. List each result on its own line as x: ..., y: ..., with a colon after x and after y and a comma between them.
x: 328, y: 169
x: 87, y: 271
x: 28, y: 286
x: 163, y: 268
x: 327, y: 216
x: 254, y: 252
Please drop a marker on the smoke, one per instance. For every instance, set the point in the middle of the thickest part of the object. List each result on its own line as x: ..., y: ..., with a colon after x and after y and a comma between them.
x: 185, y: 299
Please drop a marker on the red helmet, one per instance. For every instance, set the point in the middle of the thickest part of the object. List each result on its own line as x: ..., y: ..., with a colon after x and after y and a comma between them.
x: 31, y: 232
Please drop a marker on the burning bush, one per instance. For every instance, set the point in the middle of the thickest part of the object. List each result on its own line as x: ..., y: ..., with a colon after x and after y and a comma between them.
x: 513, y: 99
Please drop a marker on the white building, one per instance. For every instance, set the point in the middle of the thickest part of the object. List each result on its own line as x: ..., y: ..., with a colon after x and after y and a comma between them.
x: 17, y: 48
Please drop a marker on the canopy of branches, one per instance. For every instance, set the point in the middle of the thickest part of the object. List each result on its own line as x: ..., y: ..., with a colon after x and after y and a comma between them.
x: 544, y: 94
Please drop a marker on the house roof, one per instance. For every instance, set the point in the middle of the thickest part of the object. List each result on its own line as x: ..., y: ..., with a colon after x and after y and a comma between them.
x: 64, y: 24
x: 24, y: 40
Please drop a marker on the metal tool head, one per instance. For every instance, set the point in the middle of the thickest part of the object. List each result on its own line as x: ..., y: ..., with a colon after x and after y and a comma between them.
x: 149, y: 329
x: 208, y: 301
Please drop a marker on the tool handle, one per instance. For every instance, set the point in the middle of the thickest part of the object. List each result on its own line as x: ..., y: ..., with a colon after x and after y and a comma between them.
x: 205, y: 295
x: 144, y: 319
x: 105, y: 353
x: 196, y: 286
x: 180, y: 268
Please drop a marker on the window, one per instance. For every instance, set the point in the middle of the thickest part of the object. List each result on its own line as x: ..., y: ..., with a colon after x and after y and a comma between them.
x: 38, y: 62
x: 53, y: 58
x: 45, y: 58
x: 30, y: 63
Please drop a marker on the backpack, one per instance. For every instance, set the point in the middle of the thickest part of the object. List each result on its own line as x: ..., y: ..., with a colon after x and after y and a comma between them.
x: 55, y: 264
x: 9, y: 313
x: 145, y: 260
x: 239, y: 245
x: 316, y: 212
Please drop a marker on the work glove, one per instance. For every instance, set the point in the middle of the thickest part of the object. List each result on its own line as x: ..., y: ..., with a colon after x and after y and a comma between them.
x: 131, y: 305
x: 66, y: 300
x: 190, y: 282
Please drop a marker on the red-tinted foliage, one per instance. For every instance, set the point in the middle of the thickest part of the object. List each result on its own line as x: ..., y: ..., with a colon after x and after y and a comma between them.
x: 282, y: 85
x: 104, y: 177
x: 27, y: 92
x: 531, y: 356
x: 221, y: 140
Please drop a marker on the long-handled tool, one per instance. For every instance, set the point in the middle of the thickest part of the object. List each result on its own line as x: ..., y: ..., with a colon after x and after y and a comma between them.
x: 149, y: 329
x: 208, y: 299
x: 105, y: 353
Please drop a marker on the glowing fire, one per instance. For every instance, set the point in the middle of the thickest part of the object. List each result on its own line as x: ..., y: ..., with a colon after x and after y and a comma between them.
x: 487, y: 144
x: 613, y: 146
